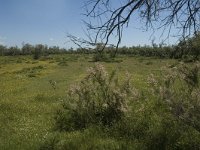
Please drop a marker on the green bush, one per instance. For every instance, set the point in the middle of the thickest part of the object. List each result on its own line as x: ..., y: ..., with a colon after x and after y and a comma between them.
x: 100, y: 56
x: 98, y: 99
x: 180, y: 90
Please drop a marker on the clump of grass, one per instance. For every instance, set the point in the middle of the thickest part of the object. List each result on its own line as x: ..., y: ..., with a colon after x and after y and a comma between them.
x: 63, y: 63
x: 50, y: 143
x: 32, y: 75
x: 46, y: 58
x: 149, y: 63
x: 31, y: 72
x: 35, y: 62
x: 141, y: 59
x: 91, y: 138
x: 99, y: 99
x: 28, y: 62
x: 52, y: 61
x: 39, y: 97
x: 100, y: 56
x: 46, y: 98
x: 19, y: 61
x: 53, y: 84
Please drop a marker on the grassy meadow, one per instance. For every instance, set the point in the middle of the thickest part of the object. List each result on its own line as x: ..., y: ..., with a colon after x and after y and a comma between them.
x: 32, y: 90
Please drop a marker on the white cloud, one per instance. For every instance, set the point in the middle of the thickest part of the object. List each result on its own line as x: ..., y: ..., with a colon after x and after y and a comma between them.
x: 51, y: 39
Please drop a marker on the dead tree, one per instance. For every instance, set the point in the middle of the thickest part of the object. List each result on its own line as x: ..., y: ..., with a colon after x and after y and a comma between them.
x: 110, y: 17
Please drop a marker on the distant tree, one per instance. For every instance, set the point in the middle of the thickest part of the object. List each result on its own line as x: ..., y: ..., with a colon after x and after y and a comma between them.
x: 189, y: 46
x: 38, y: 51
x: 13, y: 50
x: 2, y: 50
x: 27, y: 49
x: 195, y: 45
x: 54, y: 50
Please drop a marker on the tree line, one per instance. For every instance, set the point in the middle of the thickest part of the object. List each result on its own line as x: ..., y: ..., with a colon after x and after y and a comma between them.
x: 187, y: 48
x: 28, y: 49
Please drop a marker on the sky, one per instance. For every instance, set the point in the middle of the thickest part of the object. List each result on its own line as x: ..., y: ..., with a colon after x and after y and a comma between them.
x: 49, y: 21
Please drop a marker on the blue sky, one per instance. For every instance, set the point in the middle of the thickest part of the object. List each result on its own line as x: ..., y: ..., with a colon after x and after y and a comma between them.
x: 48, y: 21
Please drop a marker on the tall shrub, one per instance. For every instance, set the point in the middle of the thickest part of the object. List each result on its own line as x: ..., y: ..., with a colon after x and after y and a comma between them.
x: 98, y: 99
x: 181, y: 92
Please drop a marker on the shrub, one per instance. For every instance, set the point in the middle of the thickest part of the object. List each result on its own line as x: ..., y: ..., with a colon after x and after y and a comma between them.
x: 169, y: 117
x: 100, y: 56
x: 180, y: 91
x: 98, y: 99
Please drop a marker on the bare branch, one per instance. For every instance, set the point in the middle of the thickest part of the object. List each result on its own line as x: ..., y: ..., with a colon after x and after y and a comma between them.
x: 108, y: 18
x: 180, y: 14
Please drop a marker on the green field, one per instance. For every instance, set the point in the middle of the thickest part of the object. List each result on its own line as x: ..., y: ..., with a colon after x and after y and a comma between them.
x: 32, y: 90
